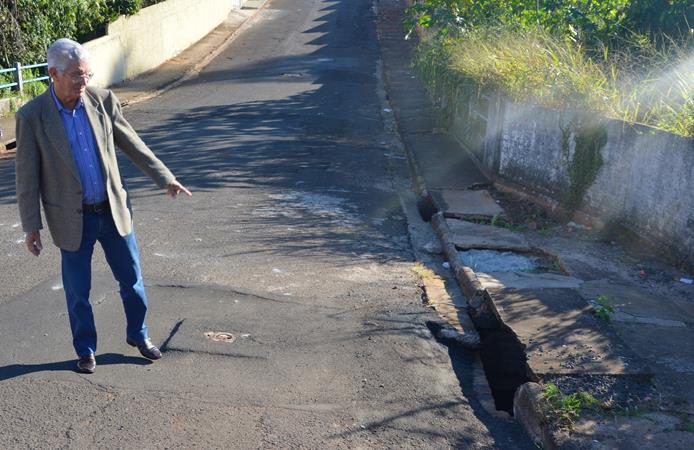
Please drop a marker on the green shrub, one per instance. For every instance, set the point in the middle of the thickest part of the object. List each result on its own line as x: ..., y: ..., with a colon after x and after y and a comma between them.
x: 671, y: 17
x: 640, y: 81
x: 115, y: 8
x: 27, y: 27
x: 592, y: 22
x: 565, y: 409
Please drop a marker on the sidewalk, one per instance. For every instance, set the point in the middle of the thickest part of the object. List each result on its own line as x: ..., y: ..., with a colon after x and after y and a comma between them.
x: 553, y: 303
x: 167, y: 76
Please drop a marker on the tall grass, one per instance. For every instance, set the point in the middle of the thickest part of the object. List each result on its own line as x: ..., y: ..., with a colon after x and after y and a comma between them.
x: 643, y: 84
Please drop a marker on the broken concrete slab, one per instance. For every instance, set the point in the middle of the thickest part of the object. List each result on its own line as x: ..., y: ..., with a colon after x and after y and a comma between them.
x: 456, y: 323
x: 494, y: 281
x: 468, y: 235
x: 561, y: 334
x: 467, y: 204
x: 634, y: 304
x: 528, y: 409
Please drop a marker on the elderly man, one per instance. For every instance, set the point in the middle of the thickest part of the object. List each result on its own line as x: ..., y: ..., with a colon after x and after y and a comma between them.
x: 66, y: 161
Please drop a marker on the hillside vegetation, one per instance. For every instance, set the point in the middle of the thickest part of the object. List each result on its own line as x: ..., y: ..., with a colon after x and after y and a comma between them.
x: 27, y: 27
x: 629, y: 59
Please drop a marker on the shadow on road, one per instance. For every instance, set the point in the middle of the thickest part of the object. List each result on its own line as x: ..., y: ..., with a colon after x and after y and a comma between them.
x: 17, y: 370
x: 318, y: 148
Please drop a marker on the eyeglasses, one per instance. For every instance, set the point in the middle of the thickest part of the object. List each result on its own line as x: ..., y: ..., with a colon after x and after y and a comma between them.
x: 78, y: 78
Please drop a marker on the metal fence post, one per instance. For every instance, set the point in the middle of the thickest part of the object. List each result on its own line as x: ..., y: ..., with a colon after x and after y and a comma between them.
x: 19, y: 78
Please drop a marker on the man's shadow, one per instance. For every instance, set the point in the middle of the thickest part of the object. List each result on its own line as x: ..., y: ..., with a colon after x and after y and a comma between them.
x: 17, y: 370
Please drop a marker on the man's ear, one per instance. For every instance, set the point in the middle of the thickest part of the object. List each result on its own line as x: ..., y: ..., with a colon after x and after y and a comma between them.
x: 53, y: 72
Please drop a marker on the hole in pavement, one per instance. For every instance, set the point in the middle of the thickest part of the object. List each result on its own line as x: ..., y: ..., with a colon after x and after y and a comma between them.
x: 503, y: 360
x: 505, y: 365
x: 426, y: 207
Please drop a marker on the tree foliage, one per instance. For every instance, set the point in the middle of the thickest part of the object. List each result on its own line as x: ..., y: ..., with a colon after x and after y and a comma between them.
x: 586, y: 20
x: 629, y: 59
x: 27, y: 27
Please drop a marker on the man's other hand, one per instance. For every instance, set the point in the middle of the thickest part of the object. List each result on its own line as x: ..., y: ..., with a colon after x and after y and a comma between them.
x: 33, y: 242
x: 174, y: 188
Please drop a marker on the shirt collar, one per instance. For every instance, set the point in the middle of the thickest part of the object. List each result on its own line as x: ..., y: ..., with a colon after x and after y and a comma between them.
x: 60, y: 106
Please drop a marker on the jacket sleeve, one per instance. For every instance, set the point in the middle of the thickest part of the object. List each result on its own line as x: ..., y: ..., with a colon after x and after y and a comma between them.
x: 130, y: 143
x: 28, y: 175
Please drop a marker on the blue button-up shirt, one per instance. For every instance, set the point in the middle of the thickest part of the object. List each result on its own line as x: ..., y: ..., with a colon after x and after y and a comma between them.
x: 81, y: 138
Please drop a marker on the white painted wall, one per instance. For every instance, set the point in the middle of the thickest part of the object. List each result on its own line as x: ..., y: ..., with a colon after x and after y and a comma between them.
x: 136, y: 44
x: 646, y: 180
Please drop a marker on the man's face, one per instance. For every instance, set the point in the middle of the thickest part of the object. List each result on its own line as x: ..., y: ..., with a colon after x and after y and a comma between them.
x: 72, y: 83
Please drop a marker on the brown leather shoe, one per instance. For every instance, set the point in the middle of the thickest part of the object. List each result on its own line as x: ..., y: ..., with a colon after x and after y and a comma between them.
x: 146, y: 348
x: 86, y: 364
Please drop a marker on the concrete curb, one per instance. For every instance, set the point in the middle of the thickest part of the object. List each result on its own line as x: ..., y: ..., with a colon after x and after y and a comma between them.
x: 425, y: 201
x: 482, y: 309
x: 528, y: 411
x: 527, y: 400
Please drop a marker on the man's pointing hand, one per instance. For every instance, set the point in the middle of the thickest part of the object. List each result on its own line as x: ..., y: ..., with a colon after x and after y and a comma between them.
x: 174, y: 188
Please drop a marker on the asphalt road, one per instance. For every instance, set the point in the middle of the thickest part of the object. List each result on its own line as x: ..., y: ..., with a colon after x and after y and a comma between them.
x: 295, y: 243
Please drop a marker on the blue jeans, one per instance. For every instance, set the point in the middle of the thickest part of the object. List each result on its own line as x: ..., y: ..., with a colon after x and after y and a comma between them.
x: 123, y: 257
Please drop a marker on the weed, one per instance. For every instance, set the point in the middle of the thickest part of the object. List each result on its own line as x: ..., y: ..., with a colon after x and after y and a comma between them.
x: 421, y: 271
x: 567, y: 408
x: 516, y: 228
x: 497, y: 221
x: 602, y: 309
x: 556, y: 264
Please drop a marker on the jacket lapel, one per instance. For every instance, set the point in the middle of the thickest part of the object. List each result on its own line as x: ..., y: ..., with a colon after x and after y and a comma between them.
x: 55, y: 130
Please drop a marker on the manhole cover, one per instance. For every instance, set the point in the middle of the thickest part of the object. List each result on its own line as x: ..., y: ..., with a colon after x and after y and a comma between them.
x: 220, y: 336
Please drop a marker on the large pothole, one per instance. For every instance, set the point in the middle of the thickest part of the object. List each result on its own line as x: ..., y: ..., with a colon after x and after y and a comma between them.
x: 505, y: 365
x: 503, y: 359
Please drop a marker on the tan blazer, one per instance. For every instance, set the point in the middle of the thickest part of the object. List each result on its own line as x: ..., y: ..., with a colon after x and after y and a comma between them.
x: 46, y: 172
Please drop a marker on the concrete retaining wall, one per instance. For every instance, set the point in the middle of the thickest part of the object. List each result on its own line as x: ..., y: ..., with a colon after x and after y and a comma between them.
x: 644, y: 177
x: 136, y: 44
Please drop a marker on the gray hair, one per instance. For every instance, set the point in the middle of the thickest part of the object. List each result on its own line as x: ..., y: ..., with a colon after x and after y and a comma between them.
x: 65, y: 51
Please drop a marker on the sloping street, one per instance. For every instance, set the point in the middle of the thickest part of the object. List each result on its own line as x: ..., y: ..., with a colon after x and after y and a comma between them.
x: 281, y: 293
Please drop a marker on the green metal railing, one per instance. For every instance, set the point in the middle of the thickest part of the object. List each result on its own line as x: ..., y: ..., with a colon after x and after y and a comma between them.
x: 19, y: 81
